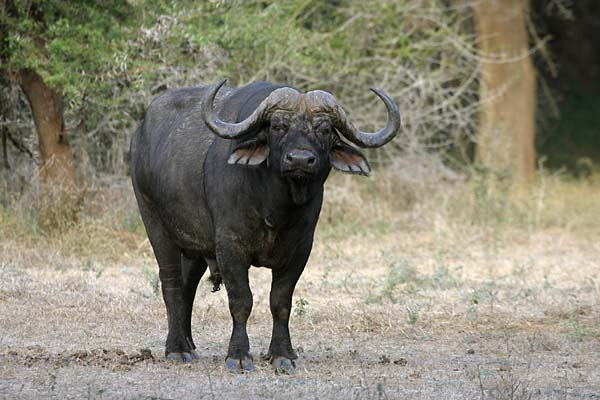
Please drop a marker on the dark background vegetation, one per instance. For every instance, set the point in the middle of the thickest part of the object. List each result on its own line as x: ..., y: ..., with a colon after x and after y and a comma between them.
x: 568, y: 127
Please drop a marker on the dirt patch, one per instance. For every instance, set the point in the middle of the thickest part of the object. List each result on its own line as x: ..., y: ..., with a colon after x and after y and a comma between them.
x: 115, y: 360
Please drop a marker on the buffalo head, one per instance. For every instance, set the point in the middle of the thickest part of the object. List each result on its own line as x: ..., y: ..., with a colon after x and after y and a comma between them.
x: 299, y: 135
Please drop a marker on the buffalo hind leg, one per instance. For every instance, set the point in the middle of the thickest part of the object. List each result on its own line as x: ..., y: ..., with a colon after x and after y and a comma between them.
x: 168, y: 257
x: 192, y: 270
x: 235, y: 276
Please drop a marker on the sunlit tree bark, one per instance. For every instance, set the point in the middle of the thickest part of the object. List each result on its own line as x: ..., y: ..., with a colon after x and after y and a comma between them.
x: 58, y: 180
x: 507, y: 126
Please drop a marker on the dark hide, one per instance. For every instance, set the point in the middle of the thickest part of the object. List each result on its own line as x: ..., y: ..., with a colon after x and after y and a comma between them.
x: 231, y: 204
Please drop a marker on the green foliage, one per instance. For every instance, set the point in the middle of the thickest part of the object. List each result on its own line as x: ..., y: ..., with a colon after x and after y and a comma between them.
x: 77, y: 46
x: 109, y: 58
x: 312, y: 41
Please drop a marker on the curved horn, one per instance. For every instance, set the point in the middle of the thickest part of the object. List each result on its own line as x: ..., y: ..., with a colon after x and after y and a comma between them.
x: 377, y: 139
x: 224, y: 129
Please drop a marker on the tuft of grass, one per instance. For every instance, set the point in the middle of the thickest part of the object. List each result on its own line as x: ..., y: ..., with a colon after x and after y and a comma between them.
x: 413, y: 315
x: 576, y: 329
x: 403, y: 278
x: 400, y: 274
x: 152, y: 277
x: 301, y: 306
x: 108, y: 228
x: 486, y: 203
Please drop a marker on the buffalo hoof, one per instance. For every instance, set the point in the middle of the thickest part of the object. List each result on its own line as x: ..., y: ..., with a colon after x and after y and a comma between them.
x: 184, y: 357
x: 240, y: 365
x: 283, y: 365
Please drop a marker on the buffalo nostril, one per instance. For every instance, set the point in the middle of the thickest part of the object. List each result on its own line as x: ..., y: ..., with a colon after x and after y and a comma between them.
x: 300, y: 159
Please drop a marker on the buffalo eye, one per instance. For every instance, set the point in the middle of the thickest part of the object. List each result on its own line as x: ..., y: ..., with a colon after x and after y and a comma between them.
x: 279, y: 125
x: 322, y: 127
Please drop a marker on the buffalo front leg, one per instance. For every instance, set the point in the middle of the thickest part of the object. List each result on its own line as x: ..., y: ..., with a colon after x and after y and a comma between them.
x: 281, y: 353
x: 235, y: 276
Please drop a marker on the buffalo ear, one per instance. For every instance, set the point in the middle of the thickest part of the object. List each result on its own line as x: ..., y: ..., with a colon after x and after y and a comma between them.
x: 251, y: 152
x: 346, y: 158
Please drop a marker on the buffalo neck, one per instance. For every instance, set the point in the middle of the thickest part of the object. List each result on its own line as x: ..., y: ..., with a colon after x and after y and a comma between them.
x: 279, y: 203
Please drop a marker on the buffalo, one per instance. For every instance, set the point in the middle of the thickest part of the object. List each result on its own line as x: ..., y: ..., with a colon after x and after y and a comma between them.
x: 231, y: 178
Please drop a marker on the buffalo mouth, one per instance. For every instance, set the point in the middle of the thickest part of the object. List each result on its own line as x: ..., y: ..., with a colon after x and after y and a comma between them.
x: 298, y: 174
x: 299, y: 185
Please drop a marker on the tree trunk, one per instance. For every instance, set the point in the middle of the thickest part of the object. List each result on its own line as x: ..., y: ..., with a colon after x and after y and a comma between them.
x: 58, y: 182
x: 506, y: 140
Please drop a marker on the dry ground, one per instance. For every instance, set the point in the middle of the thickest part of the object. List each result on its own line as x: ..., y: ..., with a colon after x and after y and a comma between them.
x: 469, y: 294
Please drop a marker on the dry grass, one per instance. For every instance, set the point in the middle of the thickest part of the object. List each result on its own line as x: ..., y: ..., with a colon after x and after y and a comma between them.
x: 432, y: 290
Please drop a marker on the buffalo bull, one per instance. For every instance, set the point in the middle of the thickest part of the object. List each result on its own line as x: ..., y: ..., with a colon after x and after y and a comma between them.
x: 236, y: 180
